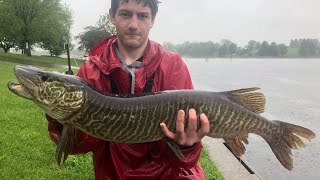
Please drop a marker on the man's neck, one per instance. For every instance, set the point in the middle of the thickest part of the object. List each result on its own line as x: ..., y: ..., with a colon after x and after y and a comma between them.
x: 130, y: 55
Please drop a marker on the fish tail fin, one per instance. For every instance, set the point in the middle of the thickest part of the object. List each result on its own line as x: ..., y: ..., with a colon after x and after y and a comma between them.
x: 282, y: 145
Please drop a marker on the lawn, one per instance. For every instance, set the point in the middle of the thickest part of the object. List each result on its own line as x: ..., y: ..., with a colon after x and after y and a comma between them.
x: 43, y: 59
x: 26, y: 151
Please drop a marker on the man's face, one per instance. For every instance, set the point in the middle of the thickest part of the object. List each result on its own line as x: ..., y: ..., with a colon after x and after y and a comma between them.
x: 133, y: 22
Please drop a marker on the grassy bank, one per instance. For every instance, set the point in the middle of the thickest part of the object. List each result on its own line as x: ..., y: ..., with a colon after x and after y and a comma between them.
x: 26, y: 151
x: 42, y: 59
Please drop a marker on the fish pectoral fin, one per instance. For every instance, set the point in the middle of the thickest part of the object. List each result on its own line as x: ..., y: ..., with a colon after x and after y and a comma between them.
x: 64, y: 144
x: 254, y: 101
x: 175, y: 148
x: 236, y: 144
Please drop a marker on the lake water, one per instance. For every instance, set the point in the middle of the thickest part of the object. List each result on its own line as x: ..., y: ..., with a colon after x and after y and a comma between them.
x: 292, y: 90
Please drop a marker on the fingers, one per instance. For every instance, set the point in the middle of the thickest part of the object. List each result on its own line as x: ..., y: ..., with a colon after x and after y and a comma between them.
x: 191, y: 134
x: 205, y: 126
x: 166, y: 131
x: 192, y: 121
x: 180, y: 132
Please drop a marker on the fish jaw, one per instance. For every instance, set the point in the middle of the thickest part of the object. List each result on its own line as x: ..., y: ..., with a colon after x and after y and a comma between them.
x: 19, y: 90
x: 28, y: 82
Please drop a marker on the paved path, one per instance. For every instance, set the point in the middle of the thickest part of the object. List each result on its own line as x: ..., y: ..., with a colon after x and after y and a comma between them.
x: 226, y: 162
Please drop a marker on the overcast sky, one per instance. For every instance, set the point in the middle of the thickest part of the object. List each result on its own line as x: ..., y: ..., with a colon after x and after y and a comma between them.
x: 204, y: 20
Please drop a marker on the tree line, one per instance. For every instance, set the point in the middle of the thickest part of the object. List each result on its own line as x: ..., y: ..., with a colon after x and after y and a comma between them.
x: 227, y: 48
x: 47, y: 23
x: 27, y: 24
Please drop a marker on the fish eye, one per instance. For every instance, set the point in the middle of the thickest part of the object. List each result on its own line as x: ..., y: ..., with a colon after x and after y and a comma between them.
x: 43, y: 77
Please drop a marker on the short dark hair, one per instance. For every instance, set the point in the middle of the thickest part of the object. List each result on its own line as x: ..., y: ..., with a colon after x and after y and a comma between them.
x: 153, y: 4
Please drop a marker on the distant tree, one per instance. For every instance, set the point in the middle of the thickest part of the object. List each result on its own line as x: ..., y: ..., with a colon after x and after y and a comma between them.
x: 223, y: 50
x: 251, y: 45
x: 283, y: 49
x: 30, y: 16
x: 93, y: 34
x: 106, y: 23
x: 169, y: 46
x: 308, y: 47
x: 233, y: 48
x: 9, y: 26
x: 273, y: 50
x: 53, y: 39
x: 184, y: 48
x: 294, y: 43
x: 258, y: 45
x: 242, y: 51
x: 264, y: 49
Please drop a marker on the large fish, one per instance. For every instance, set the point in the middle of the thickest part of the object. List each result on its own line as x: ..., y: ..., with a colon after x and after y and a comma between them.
x: 136, y: 118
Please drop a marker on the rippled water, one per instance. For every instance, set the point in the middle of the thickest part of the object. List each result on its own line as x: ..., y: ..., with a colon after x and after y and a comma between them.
x: 292, y: 90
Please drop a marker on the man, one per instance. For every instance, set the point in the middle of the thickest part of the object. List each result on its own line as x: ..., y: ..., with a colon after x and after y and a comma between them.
x: 131, y: 63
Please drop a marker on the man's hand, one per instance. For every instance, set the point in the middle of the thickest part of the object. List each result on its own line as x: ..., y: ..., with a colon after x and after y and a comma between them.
x: 190, y: 135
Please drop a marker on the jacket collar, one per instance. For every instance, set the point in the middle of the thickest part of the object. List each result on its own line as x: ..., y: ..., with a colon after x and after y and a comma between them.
x: 104, y: 56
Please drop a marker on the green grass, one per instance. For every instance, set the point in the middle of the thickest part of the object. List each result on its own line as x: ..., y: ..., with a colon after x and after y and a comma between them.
x: 26, y: 151
x: 45, y: 59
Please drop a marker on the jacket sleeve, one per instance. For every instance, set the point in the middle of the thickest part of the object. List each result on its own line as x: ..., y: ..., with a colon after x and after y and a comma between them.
x: 178, y: 77
x: 83, y: 143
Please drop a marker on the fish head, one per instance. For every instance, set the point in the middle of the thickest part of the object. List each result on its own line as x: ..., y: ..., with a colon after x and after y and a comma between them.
x: 59, y: 95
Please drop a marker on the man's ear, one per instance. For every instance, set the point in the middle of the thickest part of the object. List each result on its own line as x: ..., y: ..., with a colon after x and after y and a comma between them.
x: 112, y: 16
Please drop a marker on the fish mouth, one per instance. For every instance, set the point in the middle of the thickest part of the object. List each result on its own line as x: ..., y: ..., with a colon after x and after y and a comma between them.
x: 27, y: 83
x: 19, y: 90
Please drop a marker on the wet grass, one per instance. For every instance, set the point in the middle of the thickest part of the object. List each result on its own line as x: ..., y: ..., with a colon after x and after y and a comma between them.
x: 26, y: 151
x: 42, y: 59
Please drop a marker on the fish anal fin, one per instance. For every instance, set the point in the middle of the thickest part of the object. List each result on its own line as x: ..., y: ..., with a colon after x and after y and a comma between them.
x: 175, y: 148
x: 236, y: 144
x: 254, y: 101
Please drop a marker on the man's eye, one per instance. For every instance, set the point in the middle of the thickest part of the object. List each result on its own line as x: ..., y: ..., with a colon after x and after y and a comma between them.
x: 143, y: 16
x: 124, y: 14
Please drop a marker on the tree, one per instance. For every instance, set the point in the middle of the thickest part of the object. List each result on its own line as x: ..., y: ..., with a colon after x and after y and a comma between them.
x: 233, y: 48
x: 264, y: 49
x: 53, y: 39
x: 283, y: 49
x: 251, y: 45
x: 223, y: 50
x: 90, y: 37
x: 35, y: 18
x: 273, y: 50
x: 169, y: 46
x: 9, y: 25
x: 93, y: 34
x: 308, y: 47
x: 106, y: 23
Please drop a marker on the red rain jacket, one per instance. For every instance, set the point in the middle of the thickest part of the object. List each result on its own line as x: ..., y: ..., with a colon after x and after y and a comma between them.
x: 154, y: 160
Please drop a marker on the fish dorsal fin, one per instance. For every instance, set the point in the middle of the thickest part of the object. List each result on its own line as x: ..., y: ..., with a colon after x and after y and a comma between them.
x: 254, y: 101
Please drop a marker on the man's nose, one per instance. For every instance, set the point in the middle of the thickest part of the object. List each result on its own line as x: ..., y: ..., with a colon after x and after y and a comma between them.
x: 134, y: 23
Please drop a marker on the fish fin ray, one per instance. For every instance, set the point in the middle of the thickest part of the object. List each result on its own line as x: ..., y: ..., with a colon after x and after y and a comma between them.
x: 175, y: 148
x: 61, y: 146
x: 236, y: 144
x: 68, y: 138
x: 254, y: 101
x: 282, y: 145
